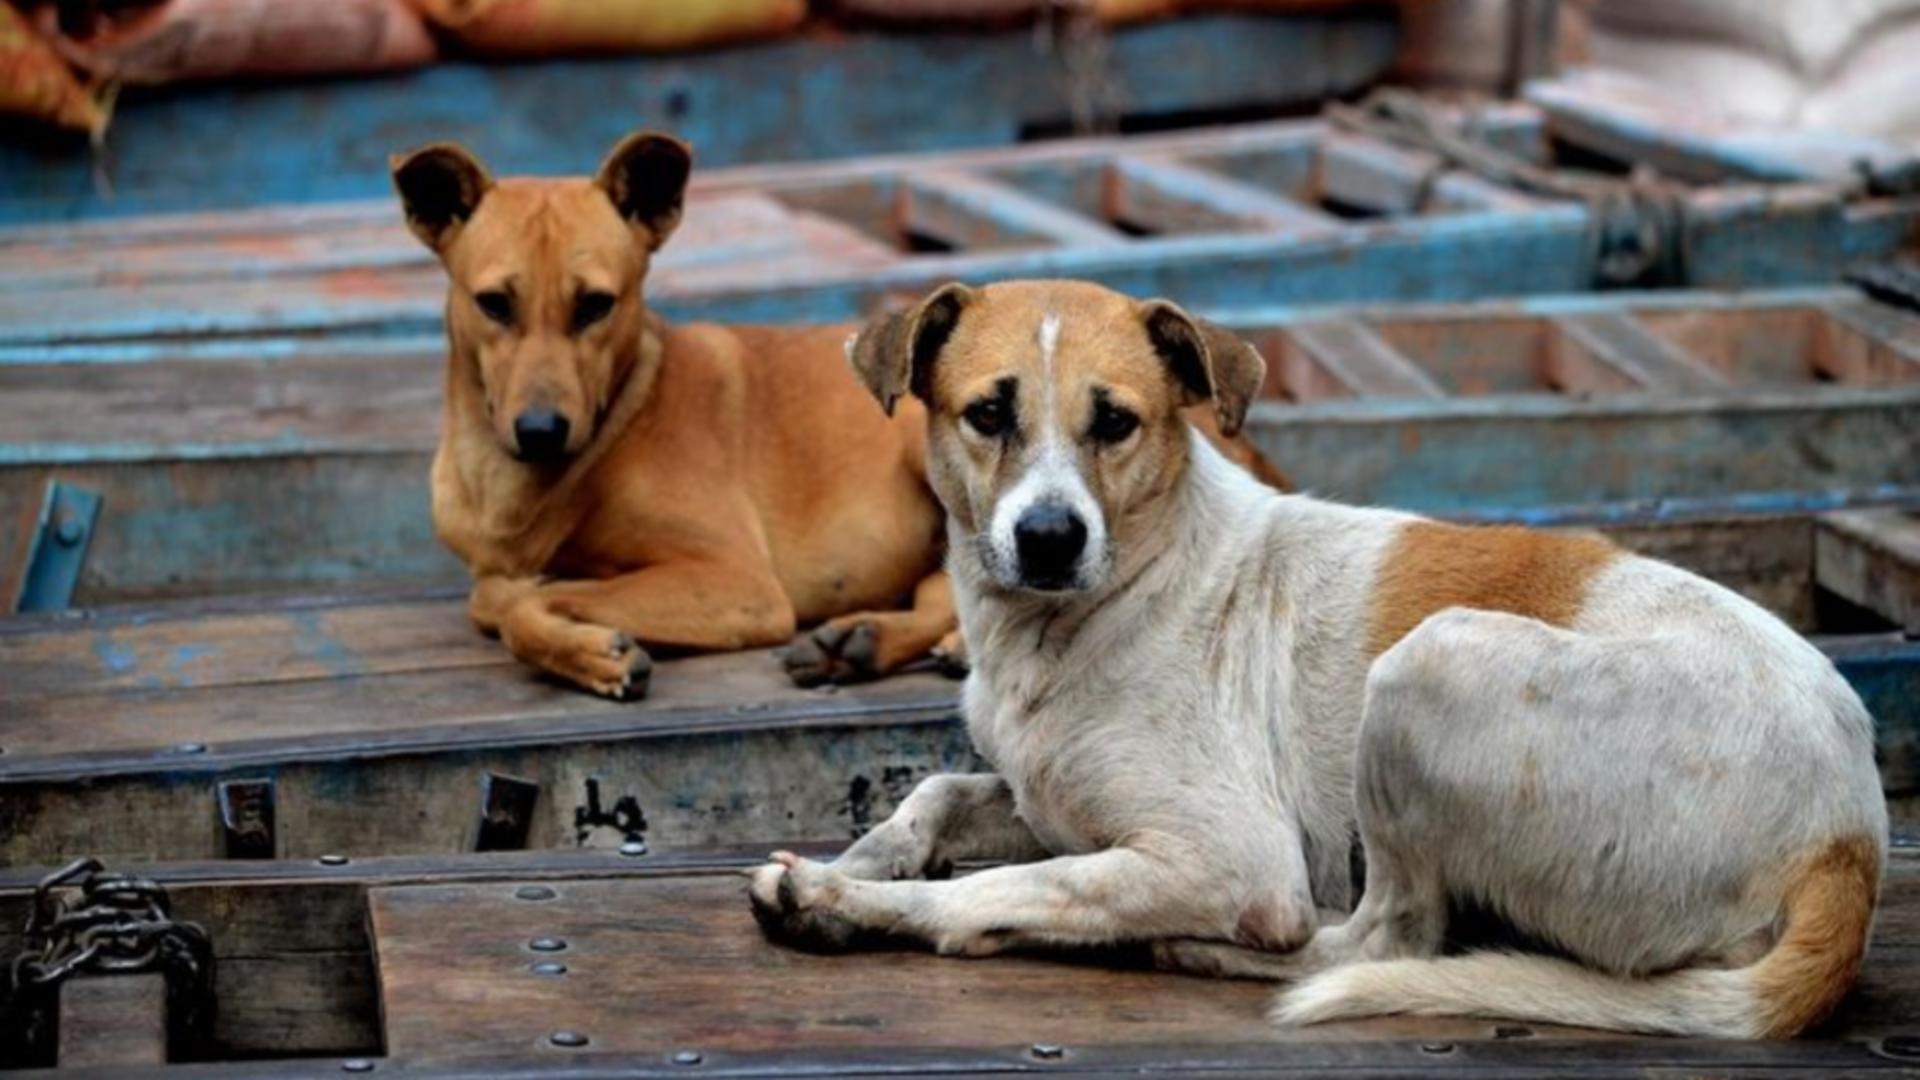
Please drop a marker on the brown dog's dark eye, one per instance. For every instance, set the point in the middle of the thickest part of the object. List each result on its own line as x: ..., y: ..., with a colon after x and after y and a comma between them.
x: 495, y: 305
x: 988, y: 416
x: 590, y: 308
x: 1112, y: 424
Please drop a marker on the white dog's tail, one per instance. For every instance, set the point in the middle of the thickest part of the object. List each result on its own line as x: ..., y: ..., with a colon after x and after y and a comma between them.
x: 1828, y: 913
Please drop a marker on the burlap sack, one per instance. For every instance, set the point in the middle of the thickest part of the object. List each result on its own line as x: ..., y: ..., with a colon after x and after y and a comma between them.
x: 36, y: 83
x: 176, y: 40
x: 553, y: 27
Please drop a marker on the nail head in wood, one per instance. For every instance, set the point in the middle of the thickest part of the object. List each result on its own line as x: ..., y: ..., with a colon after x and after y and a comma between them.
x: 567, y: 1038
x: 546, y: 944
x: 534, y: 892
x: 633, y: 848
x: 687, y: 1057
x: 550, y: 968
x: 332, y: 860
x: 356, y: 1065
x: 1048, y: 1051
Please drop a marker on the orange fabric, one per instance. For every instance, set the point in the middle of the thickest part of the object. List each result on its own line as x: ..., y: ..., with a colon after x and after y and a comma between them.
x: 546, y: 27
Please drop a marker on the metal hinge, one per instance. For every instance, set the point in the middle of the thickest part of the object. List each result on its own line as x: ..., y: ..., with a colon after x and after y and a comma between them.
x: 57, y: 550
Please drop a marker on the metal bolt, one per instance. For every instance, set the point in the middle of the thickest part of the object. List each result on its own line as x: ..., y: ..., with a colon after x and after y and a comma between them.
x: 1048, y: 1051
x: 1513, y: 1032
x: 546, y: 944
x: 1436, y: 1048
x: 190, y: 748
x: 687, y: 1057
x: 534, y: 892
x: 69, y: 532
x: 332, y: 860
x: 567, y: 1038
x: 549, y: 967
x: 1905, y: 1047
x: 356, y: 1065
x: 633, y: 848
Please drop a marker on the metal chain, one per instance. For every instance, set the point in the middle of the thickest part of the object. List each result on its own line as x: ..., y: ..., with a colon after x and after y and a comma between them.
x: 1639, y: 226
x: 87, y: 921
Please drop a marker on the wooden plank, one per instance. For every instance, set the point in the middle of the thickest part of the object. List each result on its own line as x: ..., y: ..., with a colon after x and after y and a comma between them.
x: 1872, y: 558
x: 1617, y: 342
x: 109, y: 1020
x: 462, y: 989
x: 1164, y: 195
x: 1353, y: 356
x: 808, y: 96
x: 1380, y: 178
x: 1867, y: 342
x: 972, y: 212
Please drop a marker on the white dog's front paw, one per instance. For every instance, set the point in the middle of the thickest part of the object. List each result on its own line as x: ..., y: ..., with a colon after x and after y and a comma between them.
x: 795, y: 900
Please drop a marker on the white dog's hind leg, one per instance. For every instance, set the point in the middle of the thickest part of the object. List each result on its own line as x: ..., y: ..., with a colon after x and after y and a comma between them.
x: 947, y: 818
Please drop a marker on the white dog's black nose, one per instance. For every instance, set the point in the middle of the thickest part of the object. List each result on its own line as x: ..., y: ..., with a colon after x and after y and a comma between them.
x: 1049, y: 539
x: 541, y: 434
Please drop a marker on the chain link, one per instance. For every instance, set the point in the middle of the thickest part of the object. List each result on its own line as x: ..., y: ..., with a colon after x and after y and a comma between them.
x: 87, y: 921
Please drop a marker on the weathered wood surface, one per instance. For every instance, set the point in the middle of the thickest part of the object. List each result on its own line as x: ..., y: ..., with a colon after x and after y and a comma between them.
x: 376, y: 720
x: 113, y: 1020
x: 670, y: 964
x: 662, y: 957
x: 812, y: 96
x: 307, y: 467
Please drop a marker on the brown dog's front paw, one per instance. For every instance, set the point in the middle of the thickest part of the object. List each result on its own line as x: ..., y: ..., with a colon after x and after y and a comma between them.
x: 950, y: 656
x: 619, y: 669
x: 841, y: 651
x: 793, y: 901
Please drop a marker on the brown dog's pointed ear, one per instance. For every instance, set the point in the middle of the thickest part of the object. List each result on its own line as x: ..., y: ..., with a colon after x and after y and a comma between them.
x: 1208, y: 362
x: 440, y: 185
x: 894, y: 354
x: 646, y: 177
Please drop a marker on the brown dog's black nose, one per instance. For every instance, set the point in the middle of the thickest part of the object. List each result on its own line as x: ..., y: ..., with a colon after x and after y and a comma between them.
x: 541, y: 434
x: 1049, y: 539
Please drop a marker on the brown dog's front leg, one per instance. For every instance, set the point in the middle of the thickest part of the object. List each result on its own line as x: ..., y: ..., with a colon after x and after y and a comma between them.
x: 1130, y: 893
x: 869, y: 644
x: 946, y: 819
x: 592, y: 632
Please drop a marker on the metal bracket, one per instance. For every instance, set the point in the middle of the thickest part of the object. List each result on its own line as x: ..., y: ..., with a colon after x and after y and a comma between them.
x: 506, y: 813
x: 246, y: 818
x: 58, y: 549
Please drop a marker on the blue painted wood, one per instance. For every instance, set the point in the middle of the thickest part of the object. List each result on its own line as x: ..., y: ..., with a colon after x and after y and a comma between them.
x: 824, y: 95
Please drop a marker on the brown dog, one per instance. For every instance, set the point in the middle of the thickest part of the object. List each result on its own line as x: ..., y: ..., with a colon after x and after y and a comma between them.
x: 614, y: 484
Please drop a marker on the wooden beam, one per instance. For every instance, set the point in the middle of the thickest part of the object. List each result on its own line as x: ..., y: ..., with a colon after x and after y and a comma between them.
x: 972, y: 212
x: 1356, y: 358
x: 1872, y: 558
x: 1615, y: 341
x: 1385, y: 179
x: 1169, y: 196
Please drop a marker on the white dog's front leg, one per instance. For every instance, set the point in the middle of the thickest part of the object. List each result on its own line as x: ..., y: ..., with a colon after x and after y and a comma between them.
x: 1120, y: 894
x: 947, y: 818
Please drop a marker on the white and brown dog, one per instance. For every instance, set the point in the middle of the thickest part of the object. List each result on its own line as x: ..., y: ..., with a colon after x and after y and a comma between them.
x: 1198, y: 693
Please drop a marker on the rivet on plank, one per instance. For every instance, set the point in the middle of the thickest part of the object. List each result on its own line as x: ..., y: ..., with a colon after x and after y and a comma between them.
x: 688, y: 1057
x: 549, y: 968
x: 567, y: 1039
x: 247, y: 817
x: 332, y: 860
x: 506, y: 813
x: 1048, y: 1051
x: 546, y: 944
x: 534, y: 892
x: 356, y: 1065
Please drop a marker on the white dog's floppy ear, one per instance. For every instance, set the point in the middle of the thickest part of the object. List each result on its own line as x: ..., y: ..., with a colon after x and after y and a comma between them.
x: 646, y: 177
x: 894, y: 354
x: 1207, y: 361
x: 440, y: 186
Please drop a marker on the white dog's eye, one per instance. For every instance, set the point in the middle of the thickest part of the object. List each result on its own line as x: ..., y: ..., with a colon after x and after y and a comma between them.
x: 1111, y: 423
x: 988, y: 416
